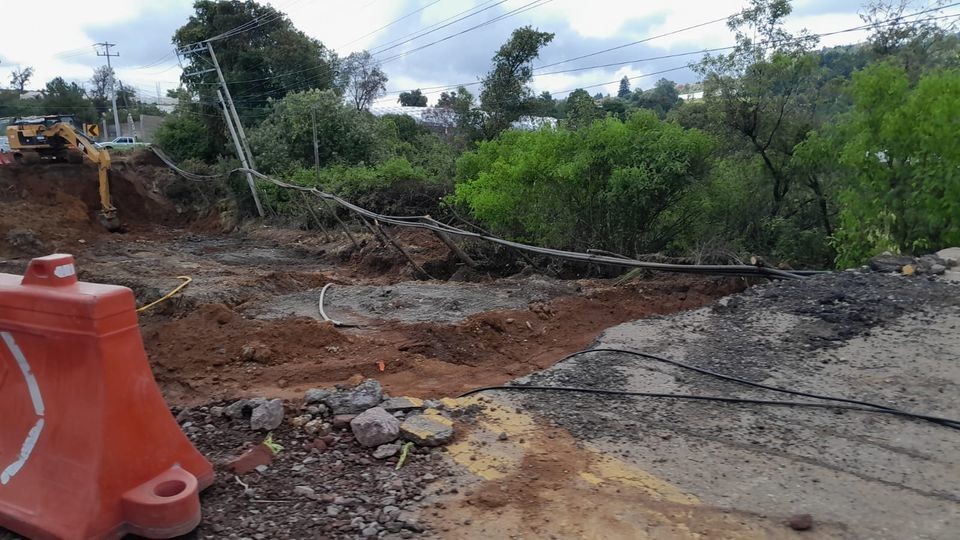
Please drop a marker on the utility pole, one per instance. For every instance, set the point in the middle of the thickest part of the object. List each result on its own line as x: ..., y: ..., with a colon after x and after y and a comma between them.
x: 233, y: 110
x: 243, y: 157
x: 113, y: 98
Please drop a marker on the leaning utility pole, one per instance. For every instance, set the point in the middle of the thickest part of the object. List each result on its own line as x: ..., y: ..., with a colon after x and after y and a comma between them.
x: 113, y: 98
x: 230, y: 117
x: 233, y: 110
x: 243, y: 157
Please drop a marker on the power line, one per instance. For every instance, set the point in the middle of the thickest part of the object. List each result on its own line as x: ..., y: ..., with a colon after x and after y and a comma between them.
x: 521, y: 9
x: 689, y: 53
x: 402, y: 41
x: 644, y: 40
x: 389, y: 24
x: 429, y: 26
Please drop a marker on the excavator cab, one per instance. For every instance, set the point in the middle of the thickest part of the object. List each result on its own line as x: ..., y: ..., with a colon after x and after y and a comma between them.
x: 57, y: 138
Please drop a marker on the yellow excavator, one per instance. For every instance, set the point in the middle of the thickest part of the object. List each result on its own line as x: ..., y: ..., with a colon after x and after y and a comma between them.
x: 54, y: 138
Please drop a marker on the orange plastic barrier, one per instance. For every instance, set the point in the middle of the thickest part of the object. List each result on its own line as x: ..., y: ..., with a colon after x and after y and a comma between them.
x: 88, y: 448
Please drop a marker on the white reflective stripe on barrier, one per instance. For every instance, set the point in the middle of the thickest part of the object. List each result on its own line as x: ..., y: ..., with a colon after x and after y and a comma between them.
x: 31, y: 440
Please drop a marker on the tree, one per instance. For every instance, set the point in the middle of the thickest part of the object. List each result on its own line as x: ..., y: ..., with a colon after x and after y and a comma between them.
x: 900, y: 153
x: 758, y: 91
x: 624, y: 91
x: 915, y: 43
x: 505, y: 92
x: 265, y: 61
x: 467, y: 119
x: 20, y: 77
x: 581, y: 109
x: 102, y: 82
x: 660, y: 99
x: 284, y: 140
x: 413, y: 98
x: 543, y: 105
x: 61, y: 97
x: 363, y: 79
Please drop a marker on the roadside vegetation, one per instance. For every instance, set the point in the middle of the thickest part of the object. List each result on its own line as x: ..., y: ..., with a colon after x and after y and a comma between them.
x: 808, y: 156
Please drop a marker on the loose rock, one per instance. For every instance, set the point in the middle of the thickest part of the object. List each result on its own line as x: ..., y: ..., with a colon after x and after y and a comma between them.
x: 342, y: 421
x: 355, y: 400
x: 801, y: 522
x: 305, y: 491
x: 385, y: 451
x: 317, y: 395
x: 267, y: 416
x: 256, y: 351
x: 375, y: 427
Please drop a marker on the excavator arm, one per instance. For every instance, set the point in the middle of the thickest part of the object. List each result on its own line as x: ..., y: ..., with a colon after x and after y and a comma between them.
x: 99, y: 156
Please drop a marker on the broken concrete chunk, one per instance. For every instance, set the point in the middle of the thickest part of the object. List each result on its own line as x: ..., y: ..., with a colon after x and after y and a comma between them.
x: 375, y: 427
x: 365, y: 395
x: 385, y: 451
x: 267, y: 416
x: 428, y: 429
x: 402, y: 404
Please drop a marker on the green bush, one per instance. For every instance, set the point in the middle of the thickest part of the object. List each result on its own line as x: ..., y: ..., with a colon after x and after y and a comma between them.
x: 608, y: 185
x: 184, y: 137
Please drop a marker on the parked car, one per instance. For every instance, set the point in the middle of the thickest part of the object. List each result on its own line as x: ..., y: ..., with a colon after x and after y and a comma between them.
x: 121, y: 143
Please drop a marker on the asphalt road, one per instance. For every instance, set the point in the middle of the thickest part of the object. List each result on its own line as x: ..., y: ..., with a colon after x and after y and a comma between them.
x: 888, y: 339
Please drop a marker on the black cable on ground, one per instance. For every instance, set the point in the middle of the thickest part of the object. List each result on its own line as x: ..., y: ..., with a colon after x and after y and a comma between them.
x: 843, y: 403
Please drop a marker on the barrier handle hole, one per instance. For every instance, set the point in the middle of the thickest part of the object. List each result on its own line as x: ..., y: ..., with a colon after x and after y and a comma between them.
x: 170, y: 488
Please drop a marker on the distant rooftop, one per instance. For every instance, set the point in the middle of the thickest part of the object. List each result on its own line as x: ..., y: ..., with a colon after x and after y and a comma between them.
x: 447, y: 118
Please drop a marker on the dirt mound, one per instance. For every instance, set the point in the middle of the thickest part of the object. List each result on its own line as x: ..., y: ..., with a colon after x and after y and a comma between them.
x: 53, y: 207
x: 424, y: 247
x: 202, y: 356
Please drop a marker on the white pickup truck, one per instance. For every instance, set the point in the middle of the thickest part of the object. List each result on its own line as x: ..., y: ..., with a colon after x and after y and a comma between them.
x: 122, y: 143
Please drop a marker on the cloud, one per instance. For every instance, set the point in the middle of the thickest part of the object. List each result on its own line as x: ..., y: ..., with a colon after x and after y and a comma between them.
x: 142, y: 30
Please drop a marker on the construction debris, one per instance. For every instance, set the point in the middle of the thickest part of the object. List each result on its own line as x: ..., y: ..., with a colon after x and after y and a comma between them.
x: 428, y: 429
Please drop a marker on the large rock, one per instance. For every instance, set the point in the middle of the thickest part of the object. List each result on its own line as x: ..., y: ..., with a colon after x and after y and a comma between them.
x: 267, y: 416
x: 375, y: 427
x: 950, y: 255
x: 428, y: 429
x: 890, y: 263
x: 365, y: 395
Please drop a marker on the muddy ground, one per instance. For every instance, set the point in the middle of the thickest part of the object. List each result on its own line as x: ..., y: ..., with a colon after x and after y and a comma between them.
x: 525, y: 465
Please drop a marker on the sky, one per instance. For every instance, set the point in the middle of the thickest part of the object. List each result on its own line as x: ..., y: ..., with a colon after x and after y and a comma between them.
x: 142, y: 30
